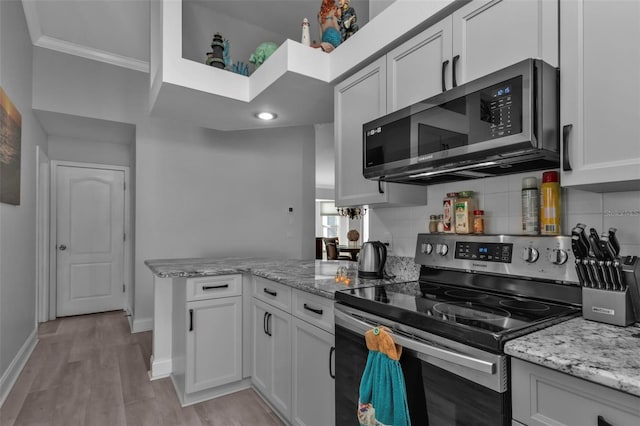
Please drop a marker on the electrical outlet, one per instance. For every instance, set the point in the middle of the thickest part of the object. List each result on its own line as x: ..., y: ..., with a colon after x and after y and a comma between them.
x: 387, y: 240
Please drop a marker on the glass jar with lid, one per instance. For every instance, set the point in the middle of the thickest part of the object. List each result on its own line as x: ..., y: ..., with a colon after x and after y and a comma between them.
x: 433, y: 224
x: 478, y: 221
x: 464, y: 207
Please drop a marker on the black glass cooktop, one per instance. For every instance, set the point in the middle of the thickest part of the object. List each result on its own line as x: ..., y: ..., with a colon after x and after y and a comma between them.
x: 475, y: 317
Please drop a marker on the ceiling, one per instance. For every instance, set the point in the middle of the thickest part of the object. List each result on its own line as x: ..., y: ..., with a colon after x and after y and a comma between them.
x: 117, y: 32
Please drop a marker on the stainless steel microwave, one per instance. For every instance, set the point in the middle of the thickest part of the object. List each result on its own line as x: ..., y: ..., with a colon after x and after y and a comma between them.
x: 506, y: 122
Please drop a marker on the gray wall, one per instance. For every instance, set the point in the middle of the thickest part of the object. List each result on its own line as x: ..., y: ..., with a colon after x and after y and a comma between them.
x: 205, y: 193
x: 17, y: 223
x: 198, y: 192
x: 89, y: 151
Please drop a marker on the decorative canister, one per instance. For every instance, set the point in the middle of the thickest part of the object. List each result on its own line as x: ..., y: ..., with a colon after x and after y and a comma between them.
x: 448, y: 218
x: 464, y: 207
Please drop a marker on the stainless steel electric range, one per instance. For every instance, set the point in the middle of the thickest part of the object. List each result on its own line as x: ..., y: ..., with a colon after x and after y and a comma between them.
x: 474, y: 294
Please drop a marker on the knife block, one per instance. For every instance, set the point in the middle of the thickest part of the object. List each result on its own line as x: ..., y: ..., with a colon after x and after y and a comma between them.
x: 610, y: 307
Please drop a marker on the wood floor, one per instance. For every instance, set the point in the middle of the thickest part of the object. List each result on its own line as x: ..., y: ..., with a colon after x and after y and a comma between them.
x: 90, y: 370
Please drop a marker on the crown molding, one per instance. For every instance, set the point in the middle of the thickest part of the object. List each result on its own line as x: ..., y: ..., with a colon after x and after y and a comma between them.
x: 91, y: 53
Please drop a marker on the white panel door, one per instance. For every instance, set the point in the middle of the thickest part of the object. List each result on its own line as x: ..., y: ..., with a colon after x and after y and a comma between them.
x: 90, y: 240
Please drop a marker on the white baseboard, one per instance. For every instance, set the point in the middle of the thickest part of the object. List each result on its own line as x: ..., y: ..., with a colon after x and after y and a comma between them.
x: 10, y: 376
x: 142, y: 324
x: 160, y: 368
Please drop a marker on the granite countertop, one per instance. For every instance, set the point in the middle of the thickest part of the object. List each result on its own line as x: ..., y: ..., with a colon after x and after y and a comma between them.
x: 313, y: 276
x: 601, y: 353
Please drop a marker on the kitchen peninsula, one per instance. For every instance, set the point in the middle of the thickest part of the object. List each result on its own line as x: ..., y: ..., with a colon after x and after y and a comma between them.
x: 244, y: 291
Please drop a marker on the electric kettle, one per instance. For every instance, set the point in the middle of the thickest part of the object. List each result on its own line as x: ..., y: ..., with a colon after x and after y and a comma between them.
x: 371, y: 259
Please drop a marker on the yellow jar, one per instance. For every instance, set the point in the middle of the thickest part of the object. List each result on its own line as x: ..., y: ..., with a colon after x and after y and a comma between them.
x: 550, y: 209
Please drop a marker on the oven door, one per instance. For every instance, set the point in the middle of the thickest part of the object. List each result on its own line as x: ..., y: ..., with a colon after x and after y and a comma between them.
x: 445, y: 386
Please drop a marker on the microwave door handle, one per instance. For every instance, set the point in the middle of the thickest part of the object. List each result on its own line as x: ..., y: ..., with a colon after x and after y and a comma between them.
x: 424, y: 350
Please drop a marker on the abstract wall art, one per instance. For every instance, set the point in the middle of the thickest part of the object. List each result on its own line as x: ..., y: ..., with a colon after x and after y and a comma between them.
x: 10, y: 145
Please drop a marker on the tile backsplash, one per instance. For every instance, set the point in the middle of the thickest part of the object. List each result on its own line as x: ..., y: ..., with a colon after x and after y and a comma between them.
x: 500, y: 198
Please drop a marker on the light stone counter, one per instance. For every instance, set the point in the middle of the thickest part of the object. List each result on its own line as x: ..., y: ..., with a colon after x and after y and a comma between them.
x: 601, y: 353
x: 313, y: 276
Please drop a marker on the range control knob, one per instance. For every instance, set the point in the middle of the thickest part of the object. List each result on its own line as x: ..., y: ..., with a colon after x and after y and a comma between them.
x: 530, y: 254
x: 558, y: 256
x: 427, y: 248
x: 442, y: 249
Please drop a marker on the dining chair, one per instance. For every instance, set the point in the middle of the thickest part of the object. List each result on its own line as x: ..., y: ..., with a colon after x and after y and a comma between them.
x: 331, y: 245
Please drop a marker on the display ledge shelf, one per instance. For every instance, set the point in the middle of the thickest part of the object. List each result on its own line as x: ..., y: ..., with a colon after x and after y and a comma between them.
x: 296, y: 82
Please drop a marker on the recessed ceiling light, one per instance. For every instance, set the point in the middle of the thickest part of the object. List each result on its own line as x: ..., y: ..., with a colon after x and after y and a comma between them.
x: 266, y: 115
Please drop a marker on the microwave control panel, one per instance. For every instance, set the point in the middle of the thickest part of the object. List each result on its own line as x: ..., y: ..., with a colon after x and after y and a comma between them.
x: 500, y: 108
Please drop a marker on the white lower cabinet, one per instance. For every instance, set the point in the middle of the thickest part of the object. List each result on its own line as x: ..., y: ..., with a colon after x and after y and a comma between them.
x: 542, y: 396
x: 214, y: 343
x: 293, y: 352
x: 207, y: 337
x: 313, y: 375
x: 271, y: 366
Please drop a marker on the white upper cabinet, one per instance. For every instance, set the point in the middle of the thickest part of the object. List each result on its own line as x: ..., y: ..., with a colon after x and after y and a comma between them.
x: 424, y: 60
x: 490, y: 35
x: 359, y: 99
x: 600, y: 95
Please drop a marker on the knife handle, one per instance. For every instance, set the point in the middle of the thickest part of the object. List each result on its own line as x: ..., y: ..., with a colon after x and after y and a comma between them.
x: 618, y: 269
x: 614, y: 240
x: 582, y: 274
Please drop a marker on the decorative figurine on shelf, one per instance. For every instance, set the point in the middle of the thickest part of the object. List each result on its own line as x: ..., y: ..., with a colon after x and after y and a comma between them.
x: 240, y: 68
x: 263, y: 51
x: 329, y: 26
x: 306, y: 37
x: 215, y: 57
x: 348, y: 20
x: 226, y: 55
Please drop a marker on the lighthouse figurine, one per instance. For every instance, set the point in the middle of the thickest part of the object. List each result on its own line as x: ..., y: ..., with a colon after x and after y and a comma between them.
x: 305, y: 33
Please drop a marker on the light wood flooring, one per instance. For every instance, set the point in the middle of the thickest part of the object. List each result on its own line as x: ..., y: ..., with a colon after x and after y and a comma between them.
x: 90, y: 370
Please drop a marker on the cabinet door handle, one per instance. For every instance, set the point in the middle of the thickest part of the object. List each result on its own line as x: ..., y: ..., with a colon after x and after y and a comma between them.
x: 453, y: 67
x: 269, y: 324
x: 190, y: 319
x: 264, y: 323
x: 603, y: 422
x: 315, y: 310
x: 444, y: 73
x: 380, y: 189
x: 211, y: 287
x: 566, y: 164
x: 270, y: 292
x: 332, y: 351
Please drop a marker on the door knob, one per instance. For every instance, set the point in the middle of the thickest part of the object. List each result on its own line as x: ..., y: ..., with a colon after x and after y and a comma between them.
x: 62, y: 247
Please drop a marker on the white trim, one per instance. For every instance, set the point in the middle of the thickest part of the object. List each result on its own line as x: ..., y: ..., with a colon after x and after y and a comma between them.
x: 91, y: 53
x: 10, y: 376
x: 33, y: 20
x: 160, y: 368
x: 128, y: 273
x: 141, y: 324
x: 43, y: 232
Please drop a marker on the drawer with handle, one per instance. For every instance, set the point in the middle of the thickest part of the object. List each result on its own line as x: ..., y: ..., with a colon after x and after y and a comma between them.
x: 273, y: 293
x: 316, y: 310
x: 214, y: 287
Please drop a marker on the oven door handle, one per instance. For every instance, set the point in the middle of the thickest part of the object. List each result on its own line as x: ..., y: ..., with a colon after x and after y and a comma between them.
x: 423, y: 350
